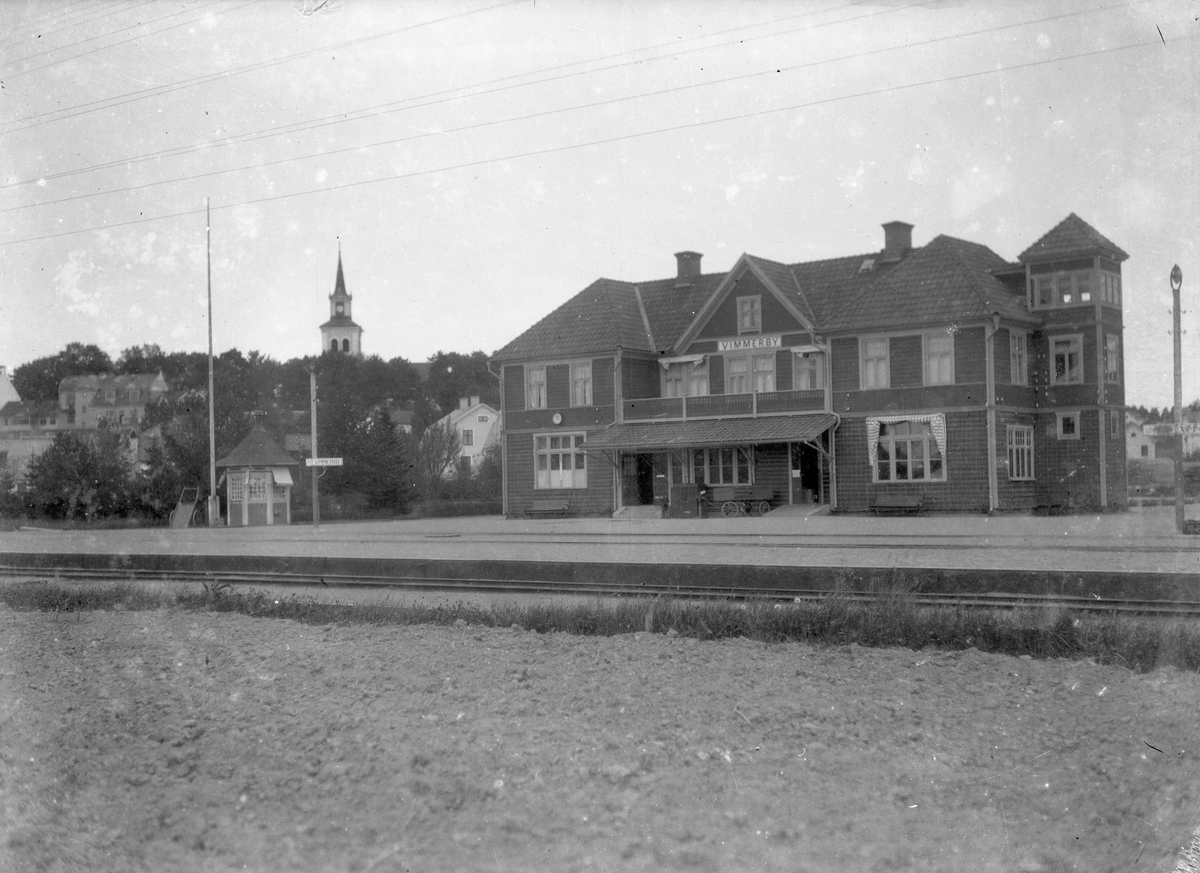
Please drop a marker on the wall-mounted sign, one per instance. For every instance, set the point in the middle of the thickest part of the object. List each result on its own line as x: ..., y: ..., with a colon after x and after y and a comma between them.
x: 322, y: 462
x: 1190, y: 428
x: 769, y: 341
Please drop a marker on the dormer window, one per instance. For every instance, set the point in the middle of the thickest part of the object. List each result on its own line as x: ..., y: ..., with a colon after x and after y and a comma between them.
x: 750, y: 314
x: 1075, y: 288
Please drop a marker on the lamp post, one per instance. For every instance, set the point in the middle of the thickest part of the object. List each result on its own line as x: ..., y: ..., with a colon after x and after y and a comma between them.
x: 1176, y: 284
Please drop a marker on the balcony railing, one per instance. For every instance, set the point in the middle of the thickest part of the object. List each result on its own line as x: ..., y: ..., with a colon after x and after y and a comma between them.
x: 723, y: 406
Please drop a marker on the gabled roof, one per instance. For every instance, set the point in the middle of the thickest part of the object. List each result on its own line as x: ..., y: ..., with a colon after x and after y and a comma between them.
x: 945, y: 282
x: 1072, y: 237
x: 107, y: 380
x: 257, y: 450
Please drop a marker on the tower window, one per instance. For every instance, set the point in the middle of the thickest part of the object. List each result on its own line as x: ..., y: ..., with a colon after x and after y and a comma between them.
x: 345, y: 345
x: 333, y: 345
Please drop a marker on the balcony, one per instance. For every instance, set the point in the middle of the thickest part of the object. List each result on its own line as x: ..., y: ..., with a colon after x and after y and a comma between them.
x: 759, y: 405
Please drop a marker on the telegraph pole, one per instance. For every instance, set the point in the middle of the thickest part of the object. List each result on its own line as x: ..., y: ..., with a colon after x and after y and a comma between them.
x: 1176, y: 284
x: 312, y: 393
x: 214, y: 503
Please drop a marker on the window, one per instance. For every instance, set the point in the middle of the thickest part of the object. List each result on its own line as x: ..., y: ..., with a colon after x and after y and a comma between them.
x: 750, y: 373
x: 483, y: 419
x: 535, y: 387
x: 808, y: 371
x: 1068, y: 425
x: 1018, y: 357
x: 333, y: 345
x: 1114, y: 424
x: 1020, y: 452
x: 939, y: 359
x: 559, y: 461
x: 1066, y: 353
x: 1112, y: 357
x: 464, y: 466
x: 468, y: 437
x: 256, y: 488
x: 1063, y: 289
x: 727, y: 465
x: 1110, y: 289
x: 237, y: 487
x: 874, y: 363
x: 685, y: 379
x: 279, y: 492
x: 345, y: 345
x: 581, y: 384
x: 1145, y: 451
x: 907, y: 451
x: 749, y: 314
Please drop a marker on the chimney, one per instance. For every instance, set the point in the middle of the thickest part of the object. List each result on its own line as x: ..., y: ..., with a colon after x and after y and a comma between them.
x: 897, y: 240
x: 688, y: 268
x: 474, y: 400
x: 462, y: 403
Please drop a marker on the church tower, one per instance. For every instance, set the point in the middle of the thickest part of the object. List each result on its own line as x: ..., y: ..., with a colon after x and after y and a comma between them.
x: 340, y: 333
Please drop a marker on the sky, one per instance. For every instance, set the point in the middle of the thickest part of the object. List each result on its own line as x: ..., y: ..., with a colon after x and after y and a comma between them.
x: 478, y: 163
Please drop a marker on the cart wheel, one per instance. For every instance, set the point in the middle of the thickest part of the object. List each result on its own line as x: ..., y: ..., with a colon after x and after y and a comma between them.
x: 730, y: 508
x: 198, y: 518
x: 763, y: 507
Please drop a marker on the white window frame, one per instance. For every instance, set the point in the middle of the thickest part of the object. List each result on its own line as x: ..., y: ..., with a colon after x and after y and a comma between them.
x: 1112, y: 358
x: 808, y: 368
x: 685, y: 379
x: 878, y: 376
x: 887, y: 454
x: 1076, y: 340
x: 1020, y: 453
x: 581, y: 384
x: 535, y: 388
x: 939, y: 370
x: 1018, y: 357
x: 749, y: 314
x: 1064, y: 288
x: 736, y: 461
x: 565, y: 465
x: 468, y: 437
x: 1073, y: 415
x: 758, y: 376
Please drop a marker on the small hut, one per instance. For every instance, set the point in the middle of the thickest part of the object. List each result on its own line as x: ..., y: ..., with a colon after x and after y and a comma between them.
x: 258, y: 479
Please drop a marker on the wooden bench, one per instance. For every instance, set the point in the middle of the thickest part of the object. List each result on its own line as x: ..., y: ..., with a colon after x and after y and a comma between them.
x: 548, y: 507
x: 898, y: 503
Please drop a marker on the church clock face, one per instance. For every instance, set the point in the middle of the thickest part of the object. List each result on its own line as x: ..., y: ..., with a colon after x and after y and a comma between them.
x: 341, y: 308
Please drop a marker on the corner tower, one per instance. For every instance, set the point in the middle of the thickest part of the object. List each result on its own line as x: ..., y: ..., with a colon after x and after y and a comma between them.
x: 340, y: 333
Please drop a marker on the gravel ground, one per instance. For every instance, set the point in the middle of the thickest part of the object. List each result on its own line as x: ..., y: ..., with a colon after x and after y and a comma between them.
x: 177, y: 741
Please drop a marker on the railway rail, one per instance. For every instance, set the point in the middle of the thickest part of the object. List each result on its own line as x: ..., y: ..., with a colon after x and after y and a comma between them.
x: 360, y: 584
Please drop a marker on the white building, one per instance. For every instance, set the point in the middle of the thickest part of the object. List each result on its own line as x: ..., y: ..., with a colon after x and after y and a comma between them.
x: 478, y: 426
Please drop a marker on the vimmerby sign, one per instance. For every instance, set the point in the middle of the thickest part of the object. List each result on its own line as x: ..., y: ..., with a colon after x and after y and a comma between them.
x: 1188, y: 428
x: 771, y: 341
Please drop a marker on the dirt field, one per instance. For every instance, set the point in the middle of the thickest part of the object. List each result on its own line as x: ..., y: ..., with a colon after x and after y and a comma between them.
x: 172, y: 741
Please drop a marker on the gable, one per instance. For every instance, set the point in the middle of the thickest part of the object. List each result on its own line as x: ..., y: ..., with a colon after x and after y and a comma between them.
x: 776, y: 317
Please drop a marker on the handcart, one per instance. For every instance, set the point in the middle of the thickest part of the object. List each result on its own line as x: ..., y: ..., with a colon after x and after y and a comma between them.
x: 734, y: 500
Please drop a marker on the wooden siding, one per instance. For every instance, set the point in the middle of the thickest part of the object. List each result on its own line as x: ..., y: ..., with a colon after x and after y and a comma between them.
x: 640, y: 378
x: 970, y: 356
x: 775, y: 316
x: 844, y: 364
x: 558, y: 386
x: 595, y: 500
x: 906, y: 367
x: 602, y: 382
x: 514, y: 388
x: 783, y: 370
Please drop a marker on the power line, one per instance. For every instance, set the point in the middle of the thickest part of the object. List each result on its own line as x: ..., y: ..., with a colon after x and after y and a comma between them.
x: 20, y: 124
x: 17, y: 73
x: 605, y: 141
x: 436, y: 97
x: 49, y: 26
x: 545, y: 113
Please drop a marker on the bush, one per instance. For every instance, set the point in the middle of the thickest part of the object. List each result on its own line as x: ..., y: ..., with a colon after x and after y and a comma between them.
x: 454, y: 508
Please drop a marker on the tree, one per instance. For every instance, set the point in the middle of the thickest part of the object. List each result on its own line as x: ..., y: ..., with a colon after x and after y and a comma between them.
x: 435, y: 453
x: 39, y: 379
x: 453, y: 375
x: 81, y: 476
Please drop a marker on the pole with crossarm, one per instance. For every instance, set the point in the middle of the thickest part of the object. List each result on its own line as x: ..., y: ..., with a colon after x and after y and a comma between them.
x: 1176, y: 284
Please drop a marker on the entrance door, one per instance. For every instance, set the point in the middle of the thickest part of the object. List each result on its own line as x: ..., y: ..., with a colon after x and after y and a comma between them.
x: 806, y: 474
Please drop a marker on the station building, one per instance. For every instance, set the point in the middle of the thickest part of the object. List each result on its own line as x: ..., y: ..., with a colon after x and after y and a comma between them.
x: 943, y: 374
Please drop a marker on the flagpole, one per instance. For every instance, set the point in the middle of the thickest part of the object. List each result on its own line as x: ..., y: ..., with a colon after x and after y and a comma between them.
x: 214, y: 504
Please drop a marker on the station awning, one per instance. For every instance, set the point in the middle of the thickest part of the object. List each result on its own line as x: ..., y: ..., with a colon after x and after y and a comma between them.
x: 716, y: 432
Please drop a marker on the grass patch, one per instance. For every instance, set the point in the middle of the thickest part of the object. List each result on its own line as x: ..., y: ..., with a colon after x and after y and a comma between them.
x: 890, y: 620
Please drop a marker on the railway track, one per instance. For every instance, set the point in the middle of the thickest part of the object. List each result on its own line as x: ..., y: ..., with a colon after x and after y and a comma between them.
x: 361, y: 584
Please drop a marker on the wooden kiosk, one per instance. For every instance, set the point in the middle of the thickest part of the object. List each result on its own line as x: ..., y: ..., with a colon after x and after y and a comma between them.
x: 258, y: 481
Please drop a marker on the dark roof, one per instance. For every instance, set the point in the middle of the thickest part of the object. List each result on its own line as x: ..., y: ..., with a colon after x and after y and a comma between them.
x: 603, y: 316
x: 257, y: 450
x: 340, y: 321
x: 946, y: 281
x: 660, y: 435
x: 1072, y: 237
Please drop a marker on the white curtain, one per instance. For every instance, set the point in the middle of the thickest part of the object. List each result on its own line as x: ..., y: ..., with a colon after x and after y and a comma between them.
x: 937, y: 424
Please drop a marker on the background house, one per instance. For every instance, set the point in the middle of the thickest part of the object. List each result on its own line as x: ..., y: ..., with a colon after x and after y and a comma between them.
x: 478, y: 427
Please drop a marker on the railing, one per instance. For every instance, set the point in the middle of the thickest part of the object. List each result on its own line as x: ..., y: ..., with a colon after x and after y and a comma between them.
x: 723, y: 406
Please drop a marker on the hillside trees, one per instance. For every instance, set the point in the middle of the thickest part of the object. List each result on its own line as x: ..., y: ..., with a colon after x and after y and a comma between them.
x: 38, y: 380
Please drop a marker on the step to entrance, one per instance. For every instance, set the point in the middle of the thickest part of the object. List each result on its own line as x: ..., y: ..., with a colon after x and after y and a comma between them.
x: 639, y: 512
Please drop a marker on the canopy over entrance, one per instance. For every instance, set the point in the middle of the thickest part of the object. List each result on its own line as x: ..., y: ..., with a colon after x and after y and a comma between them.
x: 716, y: 432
